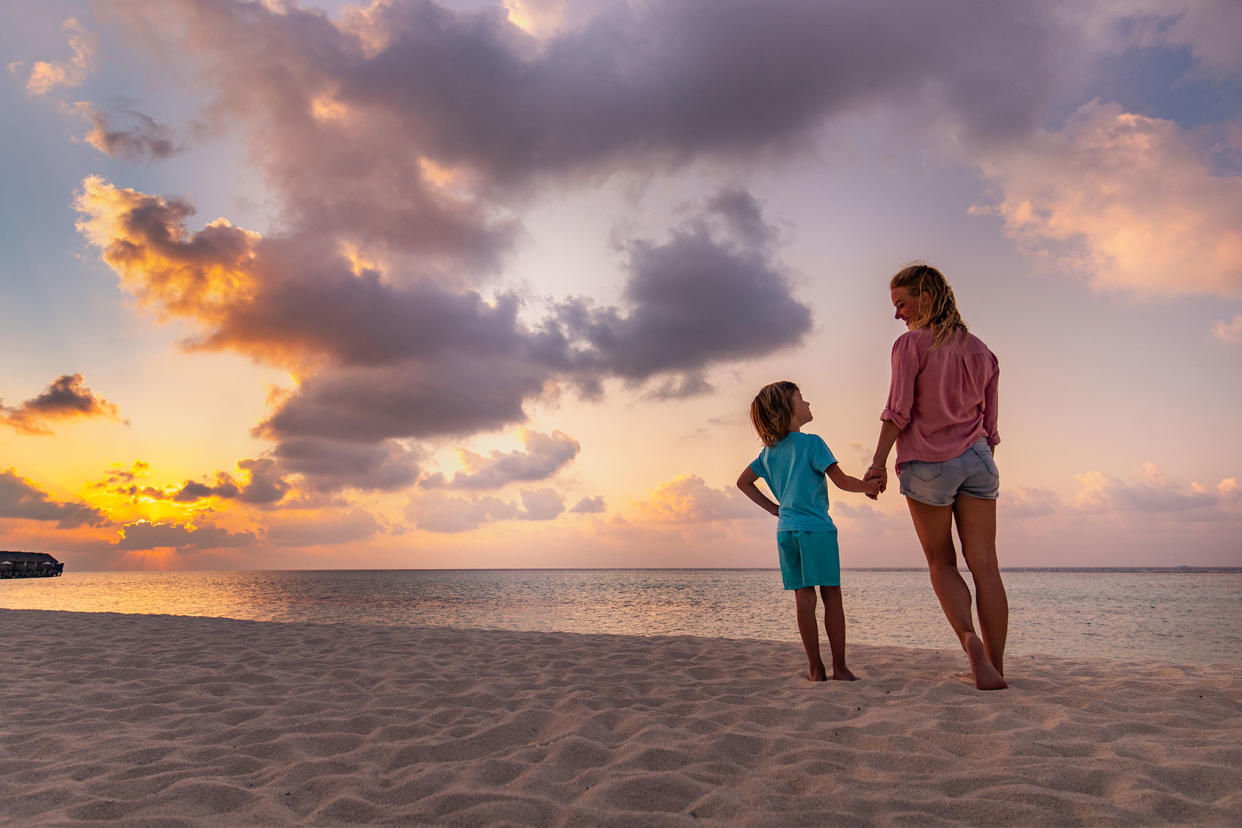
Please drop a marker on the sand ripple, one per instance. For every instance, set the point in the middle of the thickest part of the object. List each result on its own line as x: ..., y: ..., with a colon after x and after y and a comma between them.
x: 190, y: 721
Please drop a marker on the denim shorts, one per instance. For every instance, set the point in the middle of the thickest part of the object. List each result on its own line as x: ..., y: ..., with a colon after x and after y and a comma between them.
x: 809, y: 559
x: 973, y: 472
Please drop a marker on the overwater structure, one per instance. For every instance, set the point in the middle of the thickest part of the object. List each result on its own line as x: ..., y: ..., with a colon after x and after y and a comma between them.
x: 29, y: 565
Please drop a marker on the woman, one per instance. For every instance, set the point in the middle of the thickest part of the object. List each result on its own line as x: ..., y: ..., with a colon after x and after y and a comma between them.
x: 941, y: 413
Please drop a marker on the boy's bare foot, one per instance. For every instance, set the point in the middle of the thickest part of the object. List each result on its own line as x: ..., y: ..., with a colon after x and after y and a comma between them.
x: 986, y: 676
x: 843, y: 674
x: 817, y: 673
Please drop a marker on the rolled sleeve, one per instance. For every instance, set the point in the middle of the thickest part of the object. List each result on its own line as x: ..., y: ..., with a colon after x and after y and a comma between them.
x: 991, y: 398
x: 901, y: 386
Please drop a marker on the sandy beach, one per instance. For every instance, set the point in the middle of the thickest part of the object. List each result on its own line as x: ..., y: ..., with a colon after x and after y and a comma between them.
x: 145, y: 720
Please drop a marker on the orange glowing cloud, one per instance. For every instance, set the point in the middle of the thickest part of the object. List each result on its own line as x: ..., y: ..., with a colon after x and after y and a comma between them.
x: 1148, y: 212
x: 688, y: 499
x: 46, y: 75
x: 201, y: 275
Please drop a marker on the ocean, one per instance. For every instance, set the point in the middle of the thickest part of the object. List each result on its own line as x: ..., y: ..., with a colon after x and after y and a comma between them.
x: 1174, y: 615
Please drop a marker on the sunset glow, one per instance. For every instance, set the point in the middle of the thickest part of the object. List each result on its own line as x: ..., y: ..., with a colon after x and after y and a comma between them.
x: 491, y: 284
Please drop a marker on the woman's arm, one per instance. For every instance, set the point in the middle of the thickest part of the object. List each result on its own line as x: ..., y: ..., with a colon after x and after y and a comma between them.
x: 884, y: 445
x: 879, y: 460
x: 746, y: 482
x: 848, y: 483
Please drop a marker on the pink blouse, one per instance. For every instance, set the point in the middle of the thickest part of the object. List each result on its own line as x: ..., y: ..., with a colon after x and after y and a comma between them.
x: 943, y: 399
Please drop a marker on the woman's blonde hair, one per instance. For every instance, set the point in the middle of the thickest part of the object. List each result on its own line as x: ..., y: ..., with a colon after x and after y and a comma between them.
x: 772, y: 410
x: 940, y: 311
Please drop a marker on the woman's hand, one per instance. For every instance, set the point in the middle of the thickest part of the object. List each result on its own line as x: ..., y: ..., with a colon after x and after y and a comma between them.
x: 877, y: 474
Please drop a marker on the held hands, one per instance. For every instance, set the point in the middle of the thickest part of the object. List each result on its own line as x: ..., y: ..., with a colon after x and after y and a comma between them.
x: 876, y: 480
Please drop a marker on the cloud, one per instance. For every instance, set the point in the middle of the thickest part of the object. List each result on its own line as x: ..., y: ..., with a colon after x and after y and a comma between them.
x: 46, y: 75
x: 688, y: 499
x: 143, y: 535
x: 1209, y: 30
x: 1230, y: 331
x: 541, y: 504
x: 1155, y: 498
x: 435, y: 511
x: 545, y: 455
x: 19, y: 498
x: 321, y: 530
x: 589, y: 506
x: 409, y: 127
x: 265, y: 485
x: 1126, y: 199
x: 140, y: 137
x: 192, y: 490
x: 66, y: 398
x: 118, y: 475
x: 329, y: 465
x: 1148, y: 498
x: 688, y: 295
x: 383, y: 361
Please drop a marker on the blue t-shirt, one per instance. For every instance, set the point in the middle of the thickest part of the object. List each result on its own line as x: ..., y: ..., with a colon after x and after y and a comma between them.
x: 794, y: 470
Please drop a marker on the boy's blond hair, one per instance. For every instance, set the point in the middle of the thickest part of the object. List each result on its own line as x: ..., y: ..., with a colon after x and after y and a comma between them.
x: 940, y: 311
x: 772, y: 410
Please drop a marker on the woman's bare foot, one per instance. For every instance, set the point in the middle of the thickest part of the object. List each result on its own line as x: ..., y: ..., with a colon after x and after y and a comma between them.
x: 843, y: 674
x: 817, y: 673
x: 986, y: 676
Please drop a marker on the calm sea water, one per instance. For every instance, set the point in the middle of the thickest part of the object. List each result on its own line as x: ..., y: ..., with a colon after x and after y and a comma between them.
x: 1189, y: 617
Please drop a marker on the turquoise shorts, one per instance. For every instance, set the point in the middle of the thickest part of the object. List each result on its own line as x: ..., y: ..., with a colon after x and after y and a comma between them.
x: 809, y: 559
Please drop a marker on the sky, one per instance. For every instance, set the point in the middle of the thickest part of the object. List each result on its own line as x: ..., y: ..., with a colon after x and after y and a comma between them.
x: 416, y: 284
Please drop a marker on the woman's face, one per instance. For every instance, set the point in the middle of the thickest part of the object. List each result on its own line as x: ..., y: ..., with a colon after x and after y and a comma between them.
x: 907, y: 307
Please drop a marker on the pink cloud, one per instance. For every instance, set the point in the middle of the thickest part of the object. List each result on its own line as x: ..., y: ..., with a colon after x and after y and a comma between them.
x: 1126, y: 199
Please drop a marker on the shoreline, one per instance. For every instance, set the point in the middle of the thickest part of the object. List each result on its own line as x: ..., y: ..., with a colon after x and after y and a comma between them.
x: 193, y: 720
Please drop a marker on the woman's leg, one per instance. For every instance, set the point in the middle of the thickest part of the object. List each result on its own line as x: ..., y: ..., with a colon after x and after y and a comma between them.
x: 976, y: 526
x: 934, y: 525
x: 808, y: 628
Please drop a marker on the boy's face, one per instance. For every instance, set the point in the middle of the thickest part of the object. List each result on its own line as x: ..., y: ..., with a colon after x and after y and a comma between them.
x: 801, y: 412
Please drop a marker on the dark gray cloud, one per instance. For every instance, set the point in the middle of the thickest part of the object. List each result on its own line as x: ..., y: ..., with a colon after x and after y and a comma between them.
x: 266, y: 484
x: 545, y: 455
x: 698, y: 299
x: 411, y: 126
x: 589, y: 506
x: 541, y: 504
x: 328, y: 465
x: 21, y: 499
x: 193, y: 490
x: 665, y: 82
x: 384, y: 361
x: 125, y: 133
x: 66, y: 398
x: 142, y: 535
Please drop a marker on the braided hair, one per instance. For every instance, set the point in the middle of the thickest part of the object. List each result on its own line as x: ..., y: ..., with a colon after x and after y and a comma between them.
x: 939, y: 312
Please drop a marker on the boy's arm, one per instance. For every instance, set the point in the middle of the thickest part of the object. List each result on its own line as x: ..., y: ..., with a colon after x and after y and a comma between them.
x: 746, y: 482
x: 846, y: 483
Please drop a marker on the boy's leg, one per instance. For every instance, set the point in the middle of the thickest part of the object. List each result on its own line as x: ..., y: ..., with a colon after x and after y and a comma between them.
x: 808, y: 628
x: 834, y: 625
